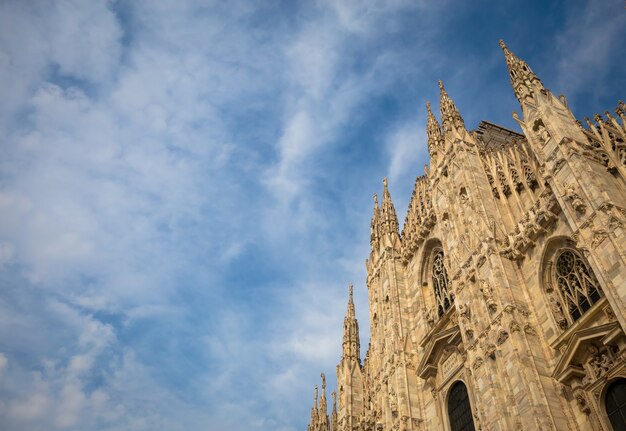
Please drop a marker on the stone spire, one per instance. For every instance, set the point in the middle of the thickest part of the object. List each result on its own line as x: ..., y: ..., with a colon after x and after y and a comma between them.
x: 433, y: 133
x: 450, y: 117
x: 523, y: 79
x: 333, y: 420
x: 323, y: 405
x: 375, y: 225
x: 323, y: 409
x: 389, y: 219
x: 314, y: 412
x: 351, y: 313
x: 351, y: 342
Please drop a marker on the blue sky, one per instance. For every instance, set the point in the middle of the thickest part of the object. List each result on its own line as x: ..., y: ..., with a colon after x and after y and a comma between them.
x: 186, y: 187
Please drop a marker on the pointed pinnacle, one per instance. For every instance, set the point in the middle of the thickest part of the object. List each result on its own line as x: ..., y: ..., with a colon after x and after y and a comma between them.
x: 450, y: 116
x: 375, y: 200
x: 351, y: 311
x: 523, y: 79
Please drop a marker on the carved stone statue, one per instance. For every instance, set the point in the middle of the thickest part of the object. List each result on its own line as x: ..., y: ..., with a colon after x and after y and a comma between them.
x: 541, y: 132
x: 570, y: 193
x: 464, y: 312
x: 557, y: 310
x: 487, y: 293
x: 430, y: 319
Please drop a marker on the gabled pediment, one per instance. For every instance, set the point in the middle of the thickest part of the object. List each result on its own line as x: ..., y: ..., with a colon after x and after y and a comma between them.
x: 435, y: 347
x: 577, y: 349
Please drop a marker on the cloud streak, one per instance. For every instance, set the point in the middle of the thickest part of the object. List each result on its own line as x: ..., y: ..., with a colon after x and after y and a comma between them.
x: 185, y: 193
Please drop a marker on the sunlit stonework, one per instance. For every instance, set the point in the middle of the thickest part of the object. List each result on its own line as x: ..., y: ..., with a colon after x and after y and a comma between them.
x: 502, y: 303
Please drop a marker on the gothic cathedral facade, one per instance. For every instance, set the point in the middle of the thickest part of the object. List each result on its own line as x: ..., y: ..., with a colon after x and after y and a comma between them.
x: 501, y: 305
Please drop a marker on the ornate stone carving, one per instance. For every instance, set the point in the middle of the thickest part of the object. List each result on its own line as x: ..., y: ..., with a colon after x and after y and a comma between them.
x: 599, y: 362
x: 514, y: 326
x: 582, y: 401
x: 489, y: 349
x: 502, y: 336
x: 487, y: 293
x: 429, y: 317
x: 599, y: 235
x: 608, y: 312
x: 393, y: 402
x: 477, y: 363
x: 464, y: 312
x: 528, y: 328
x: 541, y: 133
x: 557, y: 311
x: 571, y: 194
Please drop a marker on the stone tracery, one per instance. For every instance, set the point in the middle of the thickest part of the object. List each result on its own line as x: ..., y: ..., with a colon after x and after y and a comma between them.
x: 576, y: 282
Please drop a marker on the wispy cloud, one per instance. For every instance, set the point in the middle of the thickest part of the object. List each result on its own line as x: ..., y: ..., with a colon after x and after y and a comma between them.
x: 185, y: 193
x: 590, y: 36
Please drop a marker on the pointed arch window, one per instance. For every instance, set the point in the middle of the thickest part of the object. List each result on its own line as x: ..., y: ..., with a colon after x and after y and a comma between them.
x: 459, y: 409
x: 440, y: 283
x: 577, y: 285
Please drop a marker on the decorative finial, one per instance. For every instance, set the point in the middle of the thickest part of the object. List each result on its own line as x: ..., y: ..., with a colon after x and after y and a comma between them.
x: 350, y: 288
x: 440, y: 84
x: 385, y: 182
x: 315, y: 395
x: 375, y: 200
x: 428, y: 107
x: 323, y: 376
x: 523, y: 80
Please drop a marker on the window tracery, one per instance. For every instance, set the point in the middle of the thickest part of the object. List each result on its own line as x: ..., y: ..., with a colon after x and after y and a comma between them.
x: 529, y: 175
x: 504, y: 184
x: 577, y: 285
x: 440, y: 283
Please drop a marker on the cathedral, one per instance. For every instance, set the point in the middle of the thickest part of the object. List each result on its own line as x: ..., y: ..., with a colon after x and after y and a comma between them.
x: 501, y: 303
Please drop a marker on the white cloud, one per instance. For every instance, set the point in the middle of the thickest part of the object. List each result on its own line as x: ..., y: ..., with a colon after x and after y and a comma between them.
x: 4, y: 362
x: 589, y: 38
x: 176, y: 232
x: 407, y: 145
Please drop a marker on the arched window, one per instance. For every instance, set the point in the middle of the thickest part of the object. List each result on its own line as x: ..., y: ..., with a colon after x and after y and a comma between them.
x: 440, y: 283
x: 577, y: 284
x: 616, y: 404
x: 459, y: 410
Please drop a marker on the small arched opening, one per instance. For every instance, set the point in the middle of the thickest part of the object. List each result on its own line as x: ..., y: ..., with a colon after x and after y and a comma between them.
x: 459, y: 409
